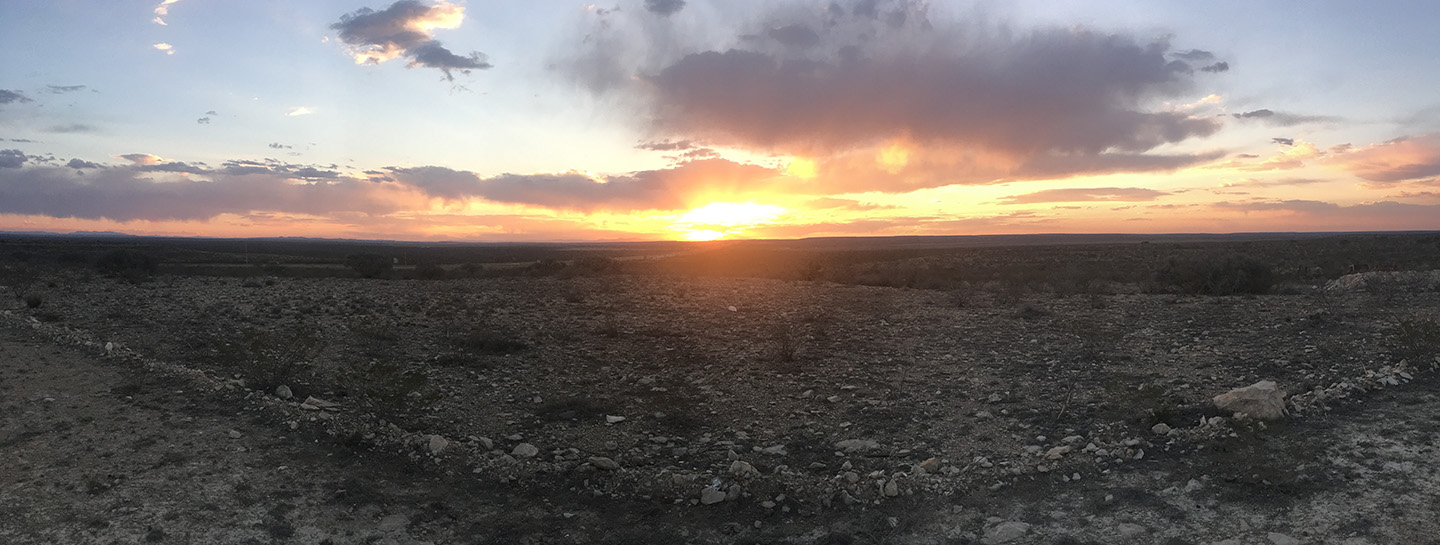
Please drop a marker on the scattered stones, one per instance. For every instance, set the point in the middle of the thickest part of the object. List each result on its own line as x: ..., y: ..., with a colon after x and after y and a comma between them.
x: 1262, y: 401
x: 525, y: 450
x: 601, y: 462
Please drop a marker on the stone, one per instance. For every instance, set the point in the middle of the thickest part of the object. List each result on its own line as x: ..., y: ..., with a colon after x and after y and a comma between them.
x: 234, y: 434
x: 1005, y: 532
x: 612, y: 419
x: 732, y: 493
x: 485, y: 442
x: 283, y: 392
x: 1160, y: 429
x: 1131, y: 531
x: 891, y: 488
x: 1261, y: 401
x: 1057, y: 452
x: 711, y: 495
x: 776, y: 450
x: 436, y: 444
x: 743, y: 469
x: 930, y: 465
x: 1281, y: 539
x: 393, y: 523
x: 853, y: 445
x: 601, y: 462
x: 313, y: 403
x: 525, y: 450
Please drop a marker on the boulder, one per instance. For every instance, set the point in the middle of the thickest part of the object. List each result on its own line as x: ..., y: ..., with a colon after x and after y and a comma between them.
x: 1262, y: 400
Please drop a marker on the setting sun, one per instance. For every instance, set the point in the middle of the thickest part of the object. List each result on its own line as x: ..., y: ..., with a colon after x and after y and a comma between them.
x: 716, y: 220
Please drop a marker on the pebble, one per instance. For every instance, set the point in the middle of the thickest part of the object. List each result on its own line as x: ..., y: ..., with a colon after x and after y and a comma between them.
x: 1131, y: 531
x: 930, y: 465
x: 743, y: 469
x: 283, y: 392
x: 891, y: 488
x: 1160, y: 429
x: 776, y: 450
x: 234, y: 434
x: 710, y: 496
x: 612, y: 419
x: 601, y: 462
x: 1057, y: 452
x: 437, y: 444
x: 525, y: 450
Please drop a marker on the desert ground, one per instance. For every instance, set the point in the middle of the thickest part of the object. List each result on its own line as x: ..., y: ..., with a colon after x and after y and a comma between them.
x: 831, y: 392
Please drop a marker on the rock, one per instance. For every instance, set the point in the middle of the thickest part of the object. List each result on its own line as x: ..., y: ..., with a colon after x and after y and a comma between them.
x: 930, y: 465
x: 1281, y: 539
x: 1057, y: 452
x: 1005, y: 532
x: 1193, y: 485
x: 611, y: 419
x: 485, y: 442
x: 891, y: 488
x: 393, y: 523
x: 601, y: 462
x: 1262, y: 401
x: 776, y: 450
x: 235, y: 434
x: 436, y: 444
x: 743, y: 469
x: 313, y: 403
x: 732, y: 493
x: 525, y: 450
x: 853, y: 445
x: 1160, y: 429
x: 283, y: 392
x: 711, y: 495
x: 1131, y: 531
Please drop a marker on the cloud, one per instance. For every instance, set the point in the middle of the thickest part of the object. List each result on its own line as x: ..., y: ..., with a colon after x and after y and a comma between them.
x: 203, y: 121
x: 167, y: 48
x: 1216, y: 68
x: 1194, y: 55
x: 1283, y: 141
x: 277, y: 145
x: 1281, y: 182
x: 142, y: 159
x: 1377, y: 215
x: 71, y: 128
x: 683, y: 186
x: 299, y: 111
x: 1282, y: 119
x: 1404, y: 158
x: 664, y: 8
x: 666, y: 145
x: 827, y: 83
x: 124, y: 194
x: 79, y: 164
x: 404, y: 30
x: 11, y: 97
x: 12, y: 158
x: 832, y: 203
x: 211, y: 113
x: 162, y: 10
x: 1112, y: 194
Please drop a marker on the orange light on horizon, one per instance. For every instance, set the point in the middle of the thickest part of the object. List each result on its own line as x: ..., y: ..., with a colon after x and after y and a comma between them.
x: 721, y: 219
x: 893, y: 157
x: 802, y: 168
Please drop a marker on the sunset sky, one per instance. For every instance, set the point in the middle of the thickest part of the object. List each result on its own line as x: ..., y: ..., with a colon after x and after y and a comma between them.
x: 692, y: 119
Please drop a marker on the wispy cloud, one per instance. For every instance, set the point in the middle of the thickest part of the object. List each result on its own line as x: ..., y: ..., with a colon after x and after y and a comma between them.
x: 62, y: 89
x: 299, y: 111
x: 162, y: 10
x: 405, y: 30
x: 142, y: 158
x: 1122, y: 194
x: 8, y: 96
x: 1400, y: 159
x: 167, y: 48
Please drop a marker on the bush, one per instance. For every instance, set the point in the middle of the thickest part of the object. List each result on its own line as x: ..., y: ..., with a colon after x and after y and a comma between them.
x: 269, y: 359
x: 370, y: 265
x: 1231, y: 275
x: 429, y: 271
x: 33, y: 300
x: 131, y: 265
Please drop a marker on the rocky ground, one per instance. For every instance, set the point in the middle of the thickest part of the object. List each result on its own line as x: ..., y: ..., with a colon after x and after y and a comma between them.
x: 650, y: 409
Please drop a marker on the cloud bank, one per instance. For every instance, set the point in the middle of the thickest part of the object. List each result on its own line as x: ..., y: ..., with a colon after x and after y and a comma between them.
x: 404, y: 30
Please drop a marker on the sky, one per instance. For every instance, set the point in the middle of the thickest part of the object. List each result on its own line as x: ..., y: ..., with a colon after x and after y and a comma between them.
x: 554, y: 120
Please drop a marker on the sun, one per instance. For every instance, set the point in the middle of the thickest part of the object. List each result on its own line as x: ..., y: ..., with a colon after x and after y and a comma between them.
x: 720, y: 219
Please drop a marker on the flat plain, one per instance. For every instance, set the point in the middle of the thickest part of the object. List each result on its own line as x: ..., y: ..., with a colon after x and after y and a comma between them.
x: 980, y: 390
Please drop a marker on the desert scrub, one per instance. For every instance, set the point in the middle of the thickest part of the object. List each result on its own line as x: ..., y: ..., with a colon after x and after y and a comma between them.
x: 389, y: 389
x: 1229, y: 275
x: 490, y: 340
x: 133, y: 266
x: 268, y: 359
x: 1417, y: 338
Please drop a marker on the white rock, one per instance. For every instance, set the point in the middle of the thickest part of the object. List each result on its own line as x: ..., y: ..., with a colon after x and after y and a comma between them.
x: 743, y: 469
x: 235, y: 434
x: 776, y: 450
x: 437, y: 444
x: 525, y: 450
x: 601, y: 462
x: 610, y: 419
x: 1160, y: 429
x: 1262, y: 401
x: 1057, y: 452
x: 1005, y: 532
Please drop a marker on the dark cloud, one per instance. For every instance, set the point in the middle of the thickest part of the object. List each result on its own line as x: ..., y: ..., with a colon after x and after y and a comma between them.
x: 277, y: 145
x: 22, y: 140
x: 664, y: 8
x: 71, y: 128
x: 203, y: 121
x: 664, y: 189
x: 61, y: 89
x: 1282, y: 119
x: 1014, y: 103
x: 10, y: 97
x: 78, y: 164
x: 211, y: 113
x: 1121, y: 194
x: 403, y: 30
x: 173, y: 166
x: 12, y: 158
x: 124, y: 194
x: 1283, y: 141
x: 1216, y: 67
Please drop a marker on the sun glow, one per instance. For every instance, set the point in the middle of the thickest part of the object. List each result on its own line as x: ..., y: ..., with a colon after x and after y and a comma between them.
x: 802, y: 168
x: 720, y: 219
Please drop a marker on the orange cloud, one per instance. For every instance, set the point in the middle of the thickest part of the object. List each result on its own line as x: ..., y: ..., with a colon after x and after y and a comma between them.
x: 1404, y: 158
